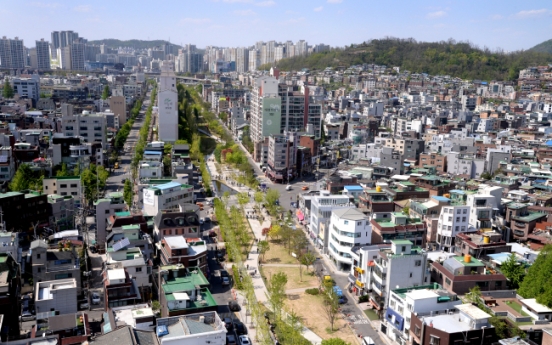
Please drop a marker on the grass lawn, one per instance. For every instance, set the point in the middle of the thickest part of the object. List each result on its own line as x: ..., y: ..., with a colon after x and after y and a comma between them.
x: 294, y: 281
x: 314, y: 317
x: 371, y: 314
x: 517, y: 307
x: 278, y: 255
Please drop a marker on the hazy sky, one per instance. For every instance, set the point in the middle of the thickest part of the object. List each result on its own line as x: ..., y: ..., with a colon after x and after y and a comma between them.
x: 506, y: 24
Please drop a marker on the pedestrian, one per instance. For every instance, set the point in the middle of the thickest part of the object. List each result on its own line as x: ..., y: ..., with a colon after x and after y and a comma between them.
x: 247, y: 266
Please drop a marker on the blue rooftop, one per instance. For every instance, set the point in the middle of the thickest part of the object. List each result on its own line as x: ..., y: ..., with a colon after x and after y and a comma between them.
x: 155, y: 153
x: 168, y: 185
x: 354, y: 188
x: 440, y: 198
x: 457, y: 191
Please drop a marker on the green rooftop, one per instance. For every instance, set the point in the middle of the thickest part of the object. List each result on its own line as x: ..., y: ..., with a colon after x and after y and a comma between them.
x: 473, y: 261
x: 530, y: 217
x: 516, y: 205
x: 67, y: 178
x: 181, y: 284
x: 402, y: 292
x: 402, y: 242
x: 9, y: 194
x: 206, y: 301
x: 122, y: 214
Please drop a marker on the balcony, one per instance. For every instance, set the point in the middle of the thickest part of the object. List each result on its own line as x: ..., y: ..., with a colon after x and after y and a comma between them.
x: 519, y: 233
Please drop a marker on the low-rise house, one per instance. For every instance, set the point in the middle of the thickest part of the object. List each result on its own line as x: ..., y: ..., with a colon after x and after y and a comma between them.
x: 191, y: 252
x: 465, y: 322
x: 460, y: 274
x: 522, y: 222
x: 536, y: 310
x: 480, y: 244
x: 182, y: 222
x: 364, y: 260
x: 57, y: 295
x: 105, y: 208
x: 399, y: 226
x: 184, y: 291
x: 133, y: 261
x: 54, y: 264
x: 119, y: 288
x: 198, y: 328
x: 73, y: 328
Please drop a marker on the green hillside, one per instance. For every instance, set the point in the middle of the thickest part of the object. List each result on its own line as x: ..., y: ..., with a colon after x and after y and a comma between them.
x: 544, y: 47
x: 138, y: 44
x: 457, y: 59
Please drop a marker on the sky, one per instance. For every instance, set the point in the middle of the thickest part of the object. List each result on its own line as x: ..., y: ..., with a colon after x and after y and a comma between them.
x: 497, y: 24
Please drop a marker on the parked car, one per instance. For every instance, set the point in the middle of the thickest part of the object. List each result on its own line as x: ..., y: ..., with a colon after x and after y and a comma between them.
x: 367, y: 341
x: 228, y: 323
x: 305, y: 188
x: 234, y: 306
x: 244, y: 340
x: 95, y: 298
x: 201, y: 221
x: 240, y: 328
x: 224, y: 273
x: 206, y: 219
x: 225, y: 281
x: 288, y: 187
x: 84, y: 306
x: 212, y: 234
x: 231, y: 340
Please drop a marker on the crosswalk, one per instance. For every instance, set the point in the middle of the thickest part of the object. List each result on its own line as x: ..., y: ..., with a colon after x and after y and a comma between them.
x: 357, y: 319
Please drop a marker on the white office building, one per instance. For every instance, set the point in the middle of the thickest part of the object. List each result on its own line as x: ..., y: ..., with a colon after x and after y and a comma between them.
x: 167, y: 103
x: 348, y: 228
x: 452, y: 221
x: 320, y: 214
x: 167, y: 196
x: 27, y: 87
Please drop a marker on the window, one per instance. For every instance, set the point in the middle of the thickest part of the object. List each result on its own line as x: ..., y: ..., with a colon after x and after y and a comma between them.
x: 458, y: 211
x: 417, y: 331
x: 457, y: 219
x: 418, y: 263
x: 465, y: 211
x: 39, y: 270
x: 410, y: 274
x: 433, y: 340
x: 138, y: 269
x: 38, y: 256
x: 463, y: 219
x: 450, y: 219
x: 447, y: 281
x: 457, y: 228
x: 345, y: 222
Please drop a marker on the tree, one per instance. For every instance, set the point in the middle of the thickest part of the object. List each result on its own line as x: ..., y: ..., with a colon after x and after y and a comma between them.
x: 308, y: 259
x: 287, y: 234
x: 334, y: 341
x: 105, y: 93
x: 259, y: 197
x: 25, y: 178
x: 331, y: 303
x: 298, y: 242
x: 63, y: 171
x: 538, y: 281
x: 271, y: 196
x: 127, y: 193
x: 243, y: 199
x: 513, y: 270
x: 275, y: 231
x: 155, y: 306
x: 7, y: 92
x: 264, y: 247
x: 474, y: 296
x: 225, y: 196
x: 276, y: 288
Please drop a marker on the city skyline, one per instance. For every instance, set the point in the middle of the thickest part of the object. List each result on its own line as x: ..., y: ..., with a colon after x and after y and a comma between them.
x: 234, y: 23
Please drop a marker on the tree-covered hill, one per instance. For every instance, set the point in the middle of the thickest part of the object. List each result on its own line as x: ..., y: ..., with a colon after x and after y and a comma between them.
x: 138, y: 44
x: 544, y: 47
x: 457, y: 59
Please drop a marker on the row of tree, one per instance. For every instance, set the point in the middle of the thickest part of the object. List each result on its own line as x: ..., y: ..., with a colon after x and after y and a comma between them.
x: 457, y: 59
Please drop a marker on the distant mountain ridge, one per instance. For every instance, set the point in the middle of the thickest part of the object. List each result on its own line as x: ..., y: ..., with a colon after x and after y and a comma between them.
x: 544, y: 47
x: 138, y: 44
x: 456, y: 59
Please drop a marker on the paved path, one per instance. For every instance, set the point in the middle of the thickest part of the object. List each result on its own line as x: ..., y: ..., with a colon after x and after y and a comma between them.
x: 299, y: 290
x: 280, y: 265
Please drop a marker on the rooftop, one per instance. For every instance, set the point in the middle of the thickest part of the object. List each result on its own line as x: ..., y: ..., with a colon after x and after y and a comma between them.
x: 472, y: 311
x: 176, y: 242
x: 531, y: 217
x: 534, y: 305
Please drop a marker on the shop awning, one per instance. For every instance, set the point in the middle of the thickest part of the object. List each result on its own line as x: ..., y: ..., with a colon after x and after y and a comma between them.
x: 371, y: 263
x: 300, y: 215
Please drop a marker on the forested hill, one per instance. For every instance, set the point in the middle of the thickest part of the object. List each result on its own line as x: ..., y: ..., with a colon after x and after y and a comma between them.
x: 445, y: 58
x: 138, y: 44
x: 544, y: 47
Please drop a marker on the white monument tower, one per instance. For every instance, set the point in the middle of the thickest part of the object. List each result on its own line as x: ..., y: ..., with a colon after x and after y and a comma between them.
x: 167, y: 102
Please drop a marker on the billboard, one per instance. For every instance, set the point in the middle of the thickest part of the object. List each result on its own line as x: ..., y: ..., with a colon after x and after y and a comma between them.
x: 272, y: 115
x: 148, y: 197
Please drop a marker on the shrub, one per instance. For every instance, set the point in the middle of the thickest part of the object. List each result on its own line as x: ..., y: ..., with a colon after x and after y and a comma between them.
x: 237, y: 280
x: 313, y: 291
x: 363, y: 298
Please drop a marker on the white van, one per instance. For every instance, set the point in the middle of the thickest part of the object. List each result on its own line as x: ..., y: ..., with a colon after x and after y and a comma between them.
x: 367, y: 341
x: 288, y: 187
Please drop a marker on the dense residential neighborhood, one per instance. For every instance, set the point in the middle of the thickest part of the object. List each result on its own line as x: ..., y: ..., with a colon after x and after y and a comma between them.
x: 179, y: 195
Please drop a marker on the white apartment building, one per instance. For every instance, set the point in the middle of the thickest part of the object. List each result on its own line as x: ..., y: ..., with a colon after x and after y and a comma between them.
x: 68, y: 185
x: 463, y: 164
x: 106, y: 207
x: 167, y: 102
x: 56, y: 295
x: 401, y: 266
x: 168, y: 196
x: 320, y: 214
x: 485, y: 125
x: 418, y: 300
x: 363, y: 259
x: 133, y: 261
x: 91, y: 127
x: 348, y: 228
x: 266, y: 112
x: 452, y: 221
x: 27, y: 87
x: 482, y: 210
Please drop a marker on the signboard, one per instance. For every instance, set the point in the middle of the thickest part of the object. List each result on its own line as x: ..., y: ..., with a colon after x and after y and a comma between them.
x: 149, y: 197
x: 272, y: 115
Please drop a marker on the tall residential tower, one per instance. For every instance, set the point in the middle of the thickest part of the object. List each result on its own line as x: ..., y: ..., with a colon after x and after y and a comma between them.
x: 167, y: 102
